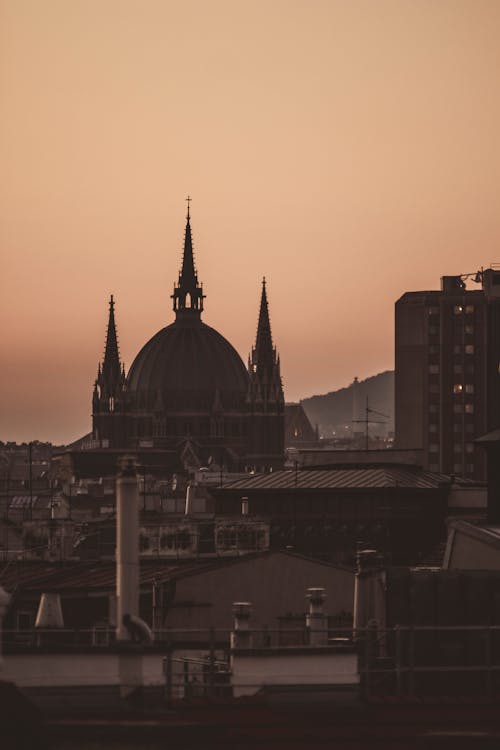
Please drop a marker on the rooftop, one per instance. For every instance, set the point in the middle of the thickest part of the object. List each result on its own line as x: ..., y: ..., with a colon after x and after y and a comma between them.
x: 355, y: 478
x: 60, y: 576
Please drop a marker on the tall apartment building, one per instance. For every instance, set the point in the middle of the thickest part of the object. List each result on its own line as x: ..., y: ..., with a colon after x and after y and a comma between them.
x: 447, y: 381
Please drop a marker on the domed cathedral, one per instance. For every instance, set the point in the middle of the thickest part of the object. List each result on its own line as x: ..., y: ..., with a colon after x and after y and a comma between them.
x: 188, y: 392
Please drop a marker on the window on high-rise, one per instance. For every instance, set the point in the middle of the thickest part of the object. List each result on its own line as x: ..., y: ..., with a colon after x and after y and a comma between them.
x: 469, y: 309
x: 469, y: 447
x: 457, y: 369
x: 469, y: 408
x: 434, y: 369
x: 433, y: 448
x: 469, y: 388
x: 469, y: 329
x: 458, y: 388
x: 469, y: 348
x: 458, y: 309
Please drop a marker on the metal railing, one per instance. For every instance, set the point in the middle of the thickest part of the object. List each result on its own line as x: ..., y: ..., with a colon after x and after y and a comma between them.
x: 102, y: 636
x: 427, y: 660
x: 401, y: 661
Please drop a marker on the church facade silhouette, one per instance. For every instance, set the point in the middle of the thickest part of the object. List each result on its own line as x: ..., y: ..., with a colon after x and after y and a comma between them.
x: 188, y: 391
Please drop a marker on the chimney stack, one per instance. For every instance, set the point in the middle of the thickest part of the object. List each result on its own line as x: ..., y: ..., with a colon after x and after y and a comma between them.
x: 189, y: 494
x: 49, y: 614
x: 369, y: 586
x: 127, y: 546
x: 241, y: 636
x: 316, y: 619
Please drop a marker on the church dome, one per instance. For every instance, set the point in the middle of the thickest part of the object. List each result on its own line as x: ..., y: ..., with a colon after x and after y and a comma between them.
x: 188, y: 392
x: 188, y: 366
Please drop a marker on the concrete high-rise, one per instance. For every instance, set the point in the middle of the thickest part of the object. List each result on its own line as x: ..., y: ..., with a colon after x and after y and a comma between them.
x: 447, y: 381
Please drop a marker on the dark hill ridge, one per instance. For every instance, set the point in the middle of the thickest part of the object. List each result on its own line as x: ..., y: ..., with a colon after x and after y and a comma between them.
x: 332, y: 411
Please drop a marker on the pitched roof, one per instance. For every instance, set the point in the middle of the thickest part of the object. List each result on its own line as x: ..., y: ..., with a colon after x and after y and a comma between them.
x: 356, y: 478
x: 68, y: 576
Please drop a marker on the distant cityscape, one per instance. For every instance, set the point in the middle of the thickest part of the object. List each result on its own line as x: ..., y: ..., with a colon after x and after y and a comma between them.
x: 203, y: 527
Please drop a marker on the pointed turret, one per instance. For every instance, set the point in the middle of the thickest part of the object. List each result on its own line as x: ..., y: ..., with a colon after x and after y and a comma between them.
x: 111, y: 367
x: 264, y: 365
x: 265, y: 395
x: 188, y: 294
x: 264, y: 354
x: 108, y: 397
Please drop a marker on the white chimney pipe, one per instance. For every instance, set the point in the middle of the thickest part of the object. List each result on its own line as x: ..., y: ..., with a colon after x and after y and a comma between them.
x: 49, y: 614
x: 189, y: 491
x: 127, y: 546
x: 241, y: 636
x: 244, y: 506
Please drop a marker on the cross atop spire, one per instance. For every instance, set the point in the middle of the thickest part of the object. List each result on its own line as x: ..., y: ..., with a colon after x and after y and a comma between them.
x: 188, y: 294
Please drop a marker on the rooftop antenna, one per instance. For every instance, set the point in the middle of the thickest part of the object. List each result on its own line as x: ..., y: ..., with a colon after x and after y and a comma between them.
x: 367, y: 421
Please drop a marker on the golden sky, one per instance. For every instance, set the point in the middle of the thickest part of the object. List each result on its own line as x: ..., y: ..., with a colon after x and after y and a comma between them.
x: 348, y: 150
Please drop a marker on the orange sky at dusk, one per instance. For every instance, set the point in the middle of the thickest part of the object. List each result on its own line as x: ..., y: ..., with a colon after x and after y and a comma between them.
x: 347, y: 150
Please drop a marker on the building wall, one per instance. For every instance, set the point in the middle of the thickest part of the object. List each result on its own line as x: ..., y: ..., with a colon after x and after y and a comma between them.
x: 87, y: 668
x: 252, y: 671
x: 447, y: 384
x: 468, y: 553
x: 276, y: 584
x: 410, y: 371
x: 403, y: 523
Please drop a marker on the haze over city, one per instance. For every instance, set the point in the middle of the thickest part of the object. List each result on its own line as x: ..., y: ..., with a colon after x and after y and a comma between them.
x: 348, y: 151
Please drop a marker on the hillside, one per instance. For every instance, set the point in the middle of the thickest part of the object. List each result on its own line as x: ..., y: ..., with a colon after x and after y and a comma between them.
x: 332, y: 411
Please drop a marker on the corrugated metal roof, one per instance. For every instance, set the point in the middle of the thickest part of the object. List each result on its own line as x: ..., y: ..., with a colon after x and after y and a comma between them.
x: 380, y: 478
x: 25, y: 501
x: 89, y: 575
x: 38, y: 575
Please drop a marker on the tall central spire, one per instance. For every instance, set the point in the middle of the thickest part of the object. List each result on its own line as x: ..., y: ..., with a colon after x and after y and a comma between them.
x: 188, y: 294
